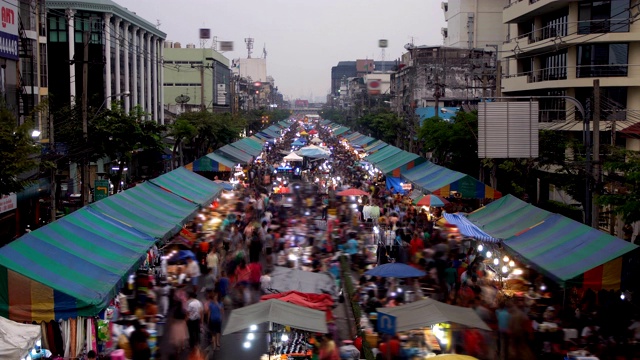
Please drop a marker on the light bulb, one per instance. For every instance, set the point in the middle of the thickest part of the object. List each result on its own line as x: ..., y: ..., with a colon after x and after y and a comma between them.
x: 505, y: 269
x: 253, y: 327
x: 496, y: 261
x: 543, y: 287
x: 622, y: 296
x: 512, y: 263
x: 480, y: 247
x: 251, y: 336
x: 246, y: 344
x: 517, y: 272
x: 505, y: 259
x: 284, y: 337
x: 489, y: 254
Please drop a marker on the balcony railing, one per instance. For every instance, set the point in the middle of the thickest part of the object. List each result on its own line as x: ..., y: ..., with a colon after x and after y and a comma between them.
x: 582, y: 71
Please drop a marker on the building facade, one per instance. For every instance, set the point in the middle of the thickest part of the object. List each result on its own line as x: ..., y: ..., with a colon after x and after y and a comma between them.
x: 125, y: 56
x: 473, y: 24
x: 348, y: 69
x: 558, y: 48
x: 184, y: 71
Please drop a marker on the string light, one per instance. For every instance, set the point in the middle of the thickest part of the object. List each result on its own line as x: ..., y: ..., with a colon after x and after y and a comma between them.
x: 489, y: 254
x: 505, y: 259
x: 480, y: 247
x: 496, y: 261
x: 505, y: 269
x: 512, y: 263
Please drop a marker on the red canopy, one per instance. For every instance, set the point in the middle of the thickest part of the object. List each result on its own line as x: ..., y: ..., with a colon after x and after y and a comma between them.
x: 322, y: 302
x: 352, y: 192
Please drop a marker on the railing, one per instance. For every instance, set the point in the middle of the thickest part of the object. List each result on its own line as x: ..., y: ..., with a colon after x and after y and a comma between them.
x: 584, y: 27
x: 582, y: 71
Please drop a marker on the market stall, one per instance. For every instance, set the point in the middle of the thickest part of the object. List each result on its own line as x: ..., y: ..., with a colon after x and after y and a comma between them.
x: 18, y: 340
x: 285, y: 279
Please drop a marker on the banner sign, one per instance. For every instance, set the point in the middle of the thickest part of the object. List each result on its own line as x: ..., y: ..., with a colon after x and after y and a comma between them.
x: 9, y: 30
x: 8, y: 202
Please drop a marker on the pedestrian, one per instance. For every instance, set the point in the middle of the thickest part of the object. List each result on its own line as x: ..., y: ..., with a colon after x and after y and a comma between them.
x: 193, y: 270
x: 213, y: 261
x: 194, y: 319
x: 139, y: 342
x: 328, y: 349
x: 214, y: 312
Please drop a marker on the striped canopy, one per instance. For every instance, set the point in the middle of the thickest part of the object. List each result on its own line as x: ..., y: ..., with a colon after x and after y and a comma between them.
x: 189, y: 185
x: 251, y: 147
x: 212, y: 162
x: 469, y: 229
x: 507, y: 217
x: 383, y: 154
x: 564, y: 249
x: 71, y: 267
x: 149, y: 209
x: 235, y: 154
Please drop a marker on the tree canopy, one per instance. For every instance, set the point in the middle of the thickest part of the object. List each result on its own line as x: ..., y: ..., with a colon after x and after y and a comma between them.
x: 17, y: 152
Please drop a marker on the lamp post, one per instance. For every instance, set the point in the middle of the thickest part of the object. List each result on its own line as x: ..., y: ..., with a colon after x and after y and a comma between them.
x: 85, y: 168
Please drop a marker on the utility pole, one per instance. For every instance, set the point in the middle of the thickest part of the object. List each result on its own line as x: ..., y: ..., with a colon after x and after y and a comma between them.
x: 85, y: 124
x: 597, y: 173
x: 54, y: 170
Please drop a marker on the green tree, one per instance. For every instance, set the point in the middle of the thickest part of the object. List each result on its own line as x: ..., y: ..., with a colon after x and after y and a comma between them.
x: 182, y: 131
x: 213, y: 130
x: 117, y: 134
x: 454, y: 142
x: 623, y: 175
x: 17, y: 152
x: 336, y: 115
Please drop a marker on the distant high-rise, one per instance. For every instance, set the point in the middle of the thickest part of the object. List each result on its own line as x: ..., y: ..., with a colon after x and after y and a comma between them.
x: 473, y: 24
x: 348, y: 69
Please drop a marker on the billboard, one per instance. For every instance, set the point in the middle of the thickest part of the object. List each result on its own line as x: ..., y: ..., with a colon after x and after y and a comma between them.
x: 225, y: 45
x: 508, y: 130
x: 9, y: 30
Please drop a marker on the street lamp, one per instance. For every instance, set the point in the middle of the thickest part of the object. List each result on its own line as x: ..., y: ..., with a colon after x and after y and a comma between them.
x: 123, y: 94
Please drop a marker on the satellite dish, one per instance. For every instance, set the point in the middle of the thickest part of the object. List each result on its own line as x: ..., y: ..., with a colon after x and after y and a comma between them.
x: 408, y: 46
x: 182, y: 99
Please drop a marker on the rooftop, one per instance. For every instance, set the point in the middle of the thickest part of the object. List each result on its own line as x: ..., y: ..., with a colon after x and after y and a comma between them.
x: 107, y: 6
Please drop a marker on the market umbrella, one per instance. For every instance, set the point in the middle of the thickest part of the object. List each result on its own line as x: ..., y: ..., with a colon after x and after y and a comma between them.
x: 352, y: 192
x: 293, y: 157
x: 395, y: 270
x: 432, y: 200
x: 313, y: 132
x: 316, y: 140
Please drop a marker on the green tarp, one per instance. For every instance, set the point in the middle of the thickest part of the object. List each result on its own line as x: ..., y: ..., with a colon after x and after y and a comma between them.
x: 396, y: 161
x: 248, y: 147
x: 507, y: 217
x: 235, y: 154
x: 563, y: 248
x: 148, y: 209
x: 382, y: 154
x: 189, y: 185
x: 340, y: 130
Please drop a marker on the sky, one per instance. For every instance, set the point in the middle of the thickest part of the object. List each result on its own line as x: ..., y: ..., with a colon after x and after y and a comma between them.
x: 303, y: 38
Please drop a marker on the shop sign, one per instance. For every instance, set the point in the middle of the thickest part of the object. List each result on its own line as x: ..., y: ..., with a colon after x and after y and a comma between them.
x: 9, y: 30
x: 101, y: 189
x: 8, y: 202
x: 406, y: 186
x: 386, y: 324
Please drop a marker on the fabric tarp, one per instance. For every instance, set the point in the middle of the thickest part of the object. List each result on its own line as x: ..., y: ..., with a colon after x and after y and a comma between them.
x: 274, y: 128
x: 507, y: 217
x: 396, y: 183
x: 353, y: 136
x: 293, y: 157
x: 397, y: 161
x: 189, y: 185
x: 257, y: 139
x: 322, y: 302
x: 285, y: 279
x: 364, y: 141
x: 469, y: 229
x: 71, y: 267
x: 17, y: 340
x: 427, y: 312
x: 148, y: 209
x: 249, y: 146
x: 212, y: 162
x: 264, y: 135
x: 284, y: 124
x: 563, y: 248
x: 340, y: 130
x: 238, y: 156
x: 272, y: 133
x: 383, y: 154
x: 442, y: 181
x: 374, y: 147
x: 279, y: 312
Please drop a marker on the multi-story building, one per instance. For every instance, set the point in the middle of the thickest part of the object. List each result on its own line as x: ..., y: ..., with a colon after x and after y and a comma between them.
x: 185, y: 69
x: 560, y: 47
x: 348, y: 69
x: 473, y: 24
x: 124, y: 55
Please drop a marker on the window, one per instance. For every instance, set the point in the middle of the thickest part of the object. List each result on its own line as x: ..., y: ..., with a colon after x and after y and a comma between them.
x: 57, y: 29
x: 555, y: 66
x: 603, y: 16
x: 597, y: 60
x: 43, y: 66
x: 555, y: 25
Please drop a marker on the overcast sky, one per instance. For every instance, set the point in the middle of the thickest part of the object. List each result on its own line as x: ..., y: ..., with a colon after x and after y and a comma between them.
x: 303, y: 38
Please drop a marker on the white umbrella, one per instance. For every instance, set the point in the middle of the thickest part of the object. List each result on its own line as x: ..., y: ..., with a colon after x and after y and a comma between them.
x: 316, y: 140
x: 292, y: 157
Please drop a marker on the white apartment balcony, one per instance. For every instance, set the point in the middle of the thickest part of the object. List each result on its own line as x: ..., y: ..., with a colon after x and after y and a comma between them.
x: 522, y: 10
x: 548, y: 39
x: 572, y: 77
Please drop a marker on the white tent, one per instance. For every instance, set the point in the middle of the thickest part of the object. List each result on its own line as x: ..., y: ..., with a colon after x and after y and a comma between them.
x: 316, y: 140
x: 16, y: 340
x: 293, y: 157
x: 429, y: 312
x: 279, y: 312
x: 284, y: 279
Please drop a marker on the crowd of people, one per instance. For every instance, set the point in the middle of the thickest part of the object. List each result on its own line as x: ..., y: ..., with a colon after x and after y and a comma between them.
x: 232, y: 266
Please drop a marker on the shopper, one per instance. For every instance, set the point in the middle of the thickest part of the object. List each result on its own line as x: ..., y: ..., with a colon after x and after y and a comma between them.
x: 193, y: 270
x: 214, y: 311
x: 213, y: 261
x: 139, y: 342
x: 194, y: 319
x: 328, y: 349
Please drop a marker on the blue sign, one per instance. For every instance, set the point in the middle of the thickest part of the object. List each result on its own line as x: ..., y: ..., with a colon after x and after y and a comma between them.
x: 386, y: 324
x: 8, y: 46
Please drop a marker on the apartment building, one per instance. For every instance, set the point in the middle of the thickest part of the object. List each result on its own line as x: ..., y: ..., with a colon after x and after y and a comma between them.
x: 473, y: 24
